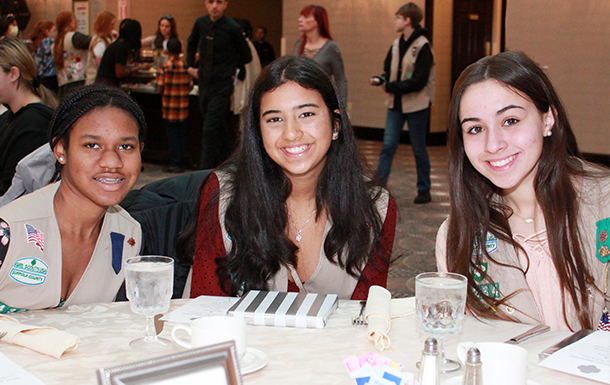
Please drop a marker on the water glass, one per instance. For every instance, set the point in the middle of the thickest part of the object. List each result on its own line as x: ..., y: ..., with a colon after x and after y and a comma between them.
x: 440, y: 301
x: 149, y: 282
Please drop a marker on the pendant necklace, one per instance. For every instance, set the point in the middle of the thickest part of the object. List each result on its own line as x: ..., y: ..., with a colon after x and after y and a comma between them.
x: 526, y: 220
x: 298, y: 237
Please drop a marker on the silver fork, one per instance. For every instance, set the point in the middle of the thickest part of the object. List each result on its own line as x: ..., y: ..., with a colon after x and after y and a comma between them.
x: 2, y: 335
x: 360, y: 319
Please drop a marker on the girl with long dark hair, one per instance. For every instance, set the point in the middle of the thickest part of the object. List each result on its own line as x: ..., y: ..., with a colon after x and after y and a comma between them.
x: 317, y: 43
x: 294, y: 209
x: 529, y: 218
x: 167, y: 29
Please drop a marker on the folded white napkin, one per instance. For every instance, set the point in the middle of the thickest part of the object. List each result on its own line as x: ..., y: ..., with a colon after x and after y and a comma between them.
x: 41, y: 339
x: 380, y: 309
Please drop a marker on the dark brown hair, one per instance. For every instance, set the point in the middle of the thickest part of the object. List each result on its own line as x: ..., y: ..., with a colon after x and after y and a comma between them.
x: 173, y: 31
x: 413, y: 12
x: 475, y: 212
x: 256, y: 215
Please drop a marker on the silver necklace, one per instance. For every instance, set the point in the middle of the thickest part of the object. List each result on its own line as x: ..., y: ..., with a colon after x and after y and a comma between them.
x: 526, y: 220
x: 298, y: 237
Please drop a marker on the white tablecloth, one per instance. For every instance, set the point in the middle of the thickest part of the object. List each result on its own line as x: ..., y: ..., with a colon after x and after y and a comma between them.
x: 296, y: 356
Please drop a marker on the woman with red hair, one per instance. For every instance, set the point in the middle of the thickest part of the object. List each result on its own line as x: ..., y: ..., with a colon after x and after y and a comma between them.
x: 104, y: 35
x: 43, y: 38
x: 70, y: 53
x: 317, y: 43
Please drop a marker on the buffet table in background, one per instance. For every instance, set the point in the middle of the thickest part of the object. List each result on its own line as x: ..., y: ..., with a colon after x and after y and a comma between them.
x: 296, y: 356
x: 155, y: 148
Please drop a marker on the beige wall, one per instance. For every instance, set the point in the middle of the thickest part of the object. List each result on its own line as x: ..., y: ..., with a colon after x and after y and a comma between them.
x: 364, y: 32
x: 572, y: 39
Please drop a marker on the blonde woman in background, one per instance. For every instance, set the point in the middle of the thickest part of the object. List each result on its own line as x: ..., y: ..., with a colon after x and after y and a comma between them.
x: 103, y: 28
x: 70, y: 53
x: 23, y: 127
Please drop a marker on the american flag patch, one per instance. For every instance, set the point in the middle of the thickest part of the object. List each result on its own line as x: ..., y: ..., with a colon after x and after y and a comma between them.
x: 35, y: 236
x: 604, y: 322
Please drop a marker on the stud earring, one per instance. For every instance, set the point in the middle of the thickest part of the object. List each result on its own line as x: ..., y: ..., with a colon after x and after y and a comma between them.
x: 335, y: 135
x: 61, y: 158
x: 548, y: 133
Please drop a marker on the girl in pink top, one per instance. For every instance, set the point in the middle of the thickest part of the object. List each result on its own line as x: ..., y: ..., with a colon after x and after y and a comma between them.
x: 528, y: 215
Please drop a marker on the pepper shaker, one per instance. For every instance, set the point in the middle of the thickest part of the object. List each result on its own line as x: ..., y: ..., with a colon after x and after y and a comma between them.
x: 473, y: 373
x: 429, y: 368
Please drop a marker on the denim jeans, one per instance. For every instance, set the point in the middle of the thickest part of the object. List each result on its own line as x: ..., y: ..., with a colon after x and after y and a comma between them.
x: 418, y: 123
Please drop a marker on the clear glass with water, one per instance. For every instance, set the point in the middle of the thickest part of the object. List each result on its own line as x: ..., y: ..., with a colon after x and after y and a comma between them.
x: 440, y: 301
x: 149, y: 284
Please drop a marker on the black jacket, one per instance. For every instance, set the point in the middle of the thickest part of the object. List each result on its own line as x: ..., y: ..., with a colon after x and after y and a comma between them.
x: 222, y: 48
x: 20, y: 134
x: 163, y: 209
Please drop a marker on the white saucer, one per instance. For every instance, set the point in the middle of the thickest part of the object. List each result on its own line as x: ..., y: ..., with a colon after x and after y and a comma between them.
x: 252, y: 361
x: 458, y: 381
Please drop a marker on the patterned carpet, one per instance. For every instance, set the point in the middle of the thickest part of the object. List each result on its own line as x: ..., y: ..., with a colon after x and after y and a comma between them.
x: 417, y: 224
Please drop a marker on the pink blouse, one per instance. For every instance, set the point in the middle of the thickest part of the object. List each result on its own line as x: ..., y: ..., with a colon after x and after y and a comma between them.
x: 541, y: 275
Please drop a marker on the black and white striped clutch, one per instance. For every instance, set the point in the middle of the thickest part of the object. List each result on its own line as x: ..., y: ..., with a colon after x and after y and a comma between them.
x: 272, y: 308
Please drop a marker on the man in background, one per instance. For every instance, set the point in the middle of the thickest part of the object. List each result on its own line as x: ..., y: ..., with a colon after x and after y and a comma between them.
x: 222, y: 48
x: 264, y: 49
x: 409, y: 81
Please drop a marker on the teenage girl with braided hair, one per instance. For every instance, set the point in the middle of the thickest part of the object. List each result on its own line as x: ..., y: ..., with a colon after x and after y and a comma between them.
x: 66, y: 243
x: 30, y: 105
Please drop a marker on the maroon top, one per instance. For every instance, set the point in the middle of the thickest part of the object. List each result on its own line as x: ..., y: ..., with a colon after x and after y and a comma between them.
x: 209, y: 246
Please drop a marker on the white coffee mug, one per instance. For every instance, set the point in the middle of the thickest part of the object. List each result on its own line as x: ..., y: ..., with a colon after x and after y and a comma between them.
x: 503, y: 364
x: 213, y: 330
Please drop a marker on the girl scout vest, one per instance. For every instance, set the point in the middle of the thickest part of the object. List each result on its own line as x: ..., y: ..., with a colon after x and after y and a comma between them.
x: 30, y: 277
x: 413, y: 101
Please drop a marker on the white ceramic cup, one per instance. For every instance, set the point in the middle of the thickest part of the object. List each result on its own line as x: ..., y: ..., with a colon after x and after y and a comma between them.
x: 503, y: 364
x: 213, y: 330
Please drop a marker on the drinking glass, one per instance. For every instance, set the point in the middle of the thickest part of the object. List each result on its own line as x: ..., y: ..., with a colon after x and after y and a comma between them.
x: 149, y: 282
x: 440, y: 300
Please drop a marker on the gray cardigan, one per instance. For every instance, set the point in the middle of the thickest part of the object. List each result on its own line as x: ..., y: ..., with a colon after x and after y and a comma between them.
x: 329, y: 57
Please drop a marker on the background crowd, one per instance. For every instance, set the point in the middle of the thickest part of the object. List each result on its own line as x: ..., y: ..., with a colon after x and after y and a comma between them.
x: 293, y: 207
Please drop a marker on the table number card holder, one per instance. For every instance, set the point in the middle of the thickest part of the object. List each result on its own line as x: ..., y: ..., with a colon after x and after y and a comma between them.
x: 214, y: 364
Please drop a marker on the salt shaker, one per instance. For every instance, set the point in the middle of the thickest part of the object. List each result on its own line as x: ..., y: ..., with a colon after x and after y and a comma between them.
x: 429, y: 370
x: 473, y: 374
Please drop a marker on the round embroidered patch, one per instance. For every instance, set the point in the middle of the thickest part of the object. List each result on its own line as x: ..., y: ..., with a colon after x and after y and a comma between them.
x: 603, y: 236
